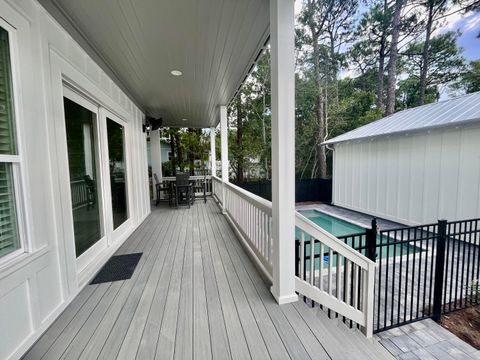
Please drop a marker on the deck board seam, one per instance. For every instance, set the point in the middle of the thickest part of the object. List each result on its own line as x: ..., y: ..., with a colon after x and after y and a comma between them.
x: 160, y: 257
x: 242, y: 251
x: 209, y: 263
x: 236, y: 274
x: 182, y: 246
x: 242, y: 255
x: 250, y: 267
x: 175, y: 218
x: 147, y: 244
x: 212, y: 246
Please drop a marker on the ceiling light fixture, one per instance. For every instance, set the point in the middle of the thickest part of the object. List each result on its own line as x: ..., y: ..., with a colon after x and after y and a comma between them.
x: 176, y: 73
x: 184, y: 119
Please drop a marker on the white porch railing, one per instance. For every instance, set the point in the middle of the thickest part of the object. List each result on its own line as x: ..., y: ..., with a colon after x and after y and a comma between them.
x: 342, y: 280
x: 251, y: 216
x: 335, y: 275
x: 217, y: 188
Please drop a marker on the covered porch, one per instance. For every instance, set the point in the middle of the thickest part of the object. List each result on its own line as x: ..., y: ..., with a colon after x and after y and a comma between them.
x: 195, y: 294
x: 219, y: 280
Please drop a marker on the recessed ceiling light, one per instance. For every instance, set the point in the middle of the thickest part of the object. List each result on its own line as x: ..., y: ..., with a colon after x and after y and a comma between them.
x: 184, y: 119
x: 176, y: 72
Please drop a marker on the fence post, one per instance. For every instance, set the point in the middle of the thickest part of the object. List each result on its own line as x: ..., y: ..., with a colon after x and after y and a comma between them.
x: 371, y: 240
x: 439, y: 270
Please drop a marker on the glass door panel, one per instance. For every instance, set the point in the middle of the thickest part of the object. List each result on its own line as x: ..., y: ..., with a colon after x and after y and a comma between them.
x: 80, y: 124
x: 118, y: 180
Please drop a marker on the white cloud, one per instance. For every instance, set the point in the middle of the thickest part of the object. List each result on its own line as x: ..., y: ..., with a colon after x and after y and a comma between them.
x: 472, y: 23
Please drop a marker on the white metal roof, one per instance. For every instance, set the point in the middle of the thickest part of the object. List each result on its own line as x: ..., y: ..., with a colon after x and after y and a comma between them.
x: 452, y: 112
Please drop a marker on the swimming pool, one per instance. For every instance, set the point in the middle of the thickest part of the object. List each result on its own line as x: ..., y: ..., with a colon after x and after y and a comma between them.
x: 340, y: 228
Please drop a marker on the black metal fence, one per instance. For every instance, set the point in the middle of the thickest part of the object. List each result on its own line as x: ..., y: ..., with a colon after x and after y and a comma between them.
x: 422, y: 271
x: 305, y: 189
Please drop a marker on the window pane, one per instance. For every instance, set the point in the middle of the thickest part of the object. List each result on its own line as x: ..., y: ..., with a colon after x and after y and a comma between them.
x: 9, y: 239
x: 116, y: 155
x: 82, y: 163
x: 7, y: 128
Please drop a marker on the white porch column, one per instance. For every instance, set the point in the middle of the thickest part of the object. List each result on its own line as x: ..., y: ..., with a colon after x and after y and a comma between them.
x: 283, y: 149
x: 213, y: 155
x: 224, y: 141
x: 156, y: 154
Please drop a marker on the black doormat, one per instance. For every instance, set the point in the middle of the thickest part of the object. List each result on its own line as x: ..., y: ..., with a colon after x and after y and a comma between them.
x: 120, y: 267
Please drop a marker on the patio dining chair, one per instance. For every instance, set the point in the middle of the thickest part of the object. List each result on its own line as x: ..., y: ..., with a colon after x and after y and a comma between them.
x: 200, y: 186
x: 161, y: 187
x: 183, y: 190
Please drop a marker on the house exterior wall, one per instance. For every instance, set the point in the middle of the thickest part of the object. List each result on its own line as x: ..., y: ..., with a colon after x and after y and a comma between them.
x: 164, y: 148
x: 412, y: 178
x: 38, y: 284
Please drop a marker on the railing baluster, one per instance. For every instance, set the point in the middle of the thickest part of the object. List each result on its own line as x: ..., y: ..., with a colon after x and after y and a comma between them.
x: 320, y: 267
x: 302, y: 254
x: 338, y: 276
x: 330, y: 257
x: 312, y: 260
x: 355, y: 286
x: 347, y: 283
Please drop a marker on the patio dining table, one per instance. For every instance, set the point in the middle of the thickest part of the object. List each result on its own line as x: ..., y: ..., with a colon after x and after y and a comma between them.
x: 196, y: 186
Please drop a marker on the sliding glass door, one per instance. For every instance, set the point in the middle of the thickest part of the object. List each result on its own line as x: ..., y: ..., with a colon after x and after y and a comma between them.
x: 118, y: 173
x: 83, y: 162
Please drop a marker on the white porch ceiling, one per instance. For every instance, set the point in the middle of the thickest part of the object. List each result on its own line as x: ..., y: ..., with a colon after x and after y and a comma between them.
x: 213, y: 43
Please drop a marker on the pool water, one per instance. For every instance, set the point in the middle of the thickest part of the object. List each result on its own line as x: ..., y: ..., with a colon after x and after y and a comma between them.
x: 339, y: 228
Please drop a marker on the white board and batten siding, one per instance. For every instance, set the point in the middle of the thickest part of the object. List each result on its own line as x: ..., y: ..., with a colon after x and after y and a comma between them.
x: 36, y: 285
x: 412, y: 178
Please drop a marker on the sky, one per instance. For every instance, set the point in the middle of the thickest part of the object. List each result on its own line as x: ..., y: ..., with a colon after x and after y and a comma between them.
x: 469, y: 26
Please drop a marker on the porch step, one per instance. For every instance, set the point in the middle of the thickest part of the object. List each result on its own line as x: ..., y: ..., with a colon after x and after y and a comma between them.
x: 343, y: 342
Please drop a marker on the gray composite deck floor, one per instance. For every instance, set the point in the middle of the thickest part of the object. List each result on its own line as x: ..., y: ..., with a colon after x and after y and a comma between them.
x: 194, y: 294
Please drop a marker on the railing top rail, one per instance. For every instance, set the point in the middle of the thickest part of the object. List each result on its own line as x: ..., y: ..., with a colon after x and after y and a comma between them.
x: 193, y: 177
x: 463, y: 221
x: 349, y: 236
x: 332, y: 242
x: 413, y: 227
x: 256, y: 200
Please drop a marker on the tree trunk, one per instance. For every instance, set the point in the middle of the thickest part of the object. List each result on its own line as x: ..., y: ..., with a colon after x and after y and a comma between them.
x: 179, y: 152
x: 264, y: 136
x: 172, y: 151
x: 191, y: 154
x: 240, y: 159
x: 392, y: 62
x: 381, y: 59
x: 426, y: 55
x: 321, y: 153
x: 333, y: 64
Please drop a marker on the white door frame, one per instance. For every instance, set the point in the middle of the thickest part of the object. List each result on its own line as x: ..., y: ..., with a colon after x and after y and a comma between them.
x: 96, y: 249
x: 113, y: 235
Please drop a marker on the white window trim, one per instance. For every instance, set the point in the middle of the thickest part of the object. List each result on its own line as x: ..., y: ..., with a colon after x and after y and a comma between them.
x: 18, y: 170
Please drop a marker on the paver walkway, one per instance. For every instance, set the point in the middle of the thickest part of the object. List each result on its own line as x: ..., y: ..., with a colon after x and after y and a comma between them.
x: 425, y: 340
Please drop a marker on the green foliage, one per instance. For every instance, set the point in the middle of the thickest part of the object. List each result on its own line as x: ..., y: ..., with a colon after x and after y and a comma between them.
x: 408, y: 94
x: 469, y: 80
x: 445, y: 63
x: 334, y: 38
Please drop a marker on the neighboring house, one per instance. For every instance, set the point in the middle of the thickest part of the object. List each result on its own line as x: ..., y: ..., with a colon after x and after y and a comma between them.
x: 416, y: 166
x: 165, y: 150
